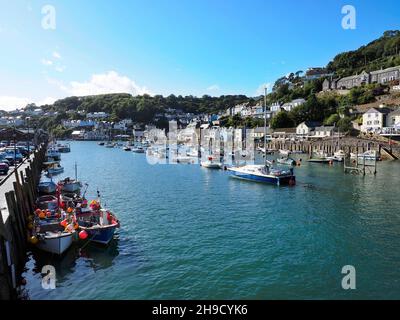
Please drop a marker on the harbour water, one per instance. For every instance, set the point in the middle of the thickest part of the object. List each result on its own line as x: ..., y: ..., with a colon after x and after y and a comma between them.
x: 193, y: 233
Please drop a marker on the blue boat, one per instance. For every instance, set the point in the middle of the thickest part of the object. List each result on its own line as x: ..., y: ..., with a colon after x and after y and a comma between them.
x: 263, y: 173
x: 47, y: 187
x: 100, y: 225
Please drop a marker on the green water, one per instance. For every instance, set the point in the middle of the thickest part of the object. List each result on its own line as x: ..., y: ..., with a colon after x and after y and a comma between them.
x: 192, y: 233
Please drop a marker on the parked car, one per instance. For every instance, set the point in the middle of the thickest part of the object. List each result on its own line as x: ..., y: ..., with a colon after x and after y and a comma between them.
x: 13, y: 154
x: 3, y: 158
x: 4, y: 168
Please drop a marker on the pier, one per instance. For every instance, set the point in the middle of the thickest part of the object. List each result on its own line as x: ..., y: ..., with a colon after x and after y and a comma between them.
x: 18, y: 192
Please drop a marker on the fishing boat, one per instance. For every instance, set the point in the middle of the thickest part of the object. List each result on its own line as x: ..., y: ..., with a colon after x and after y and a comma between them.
x: 211, y: 163
x: 70, y: 185
x: 370, y: 155
x: 47, y: 202
x: 53, y: 238
x: 54, y: 169
x: 286, y: 161
x: 99, y: 224
x: 47, y: 187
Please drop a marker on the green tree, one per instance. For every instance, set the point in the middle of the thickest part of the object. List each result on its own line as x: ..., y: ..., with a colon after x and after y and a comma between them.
x: 282, y: 120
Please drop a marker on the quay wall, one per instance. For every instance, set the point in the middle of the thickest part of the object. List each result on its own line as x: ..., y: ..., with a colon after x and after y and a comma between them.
x: 348, y: 145
x: 18, y: 192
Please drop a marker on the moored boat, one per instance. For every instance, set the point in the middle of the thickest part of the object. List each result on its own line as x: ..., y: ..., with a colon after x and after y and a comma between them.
x: 99, y: 224
x: 53, y: 238
x: 370, y: 155
x: 47, y: 202
x: 263, y: 173
x: 70, y: 185
x: 55, y: 169
x: 211, y: 163
x: 286, y: 161
x: 47, y: 187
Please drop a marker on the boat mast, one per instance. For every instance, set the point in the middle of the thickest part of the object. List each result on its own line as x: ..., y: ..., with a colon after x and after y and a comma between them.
x: 265, y: 123
x: 76, y: 172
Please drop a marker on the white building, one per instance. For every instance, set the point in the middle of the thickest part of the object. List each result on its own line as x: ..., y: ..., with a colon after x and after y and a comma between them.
x: 97, y: 115
x: 306, y: 128
x: 393, y: 119
x: 324, y: 132
x: 374, y: 120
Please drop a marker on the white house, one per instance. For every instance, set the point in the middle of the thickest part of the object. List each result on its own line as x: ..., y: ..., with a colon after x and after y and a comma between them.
x: 293, y: 104
x: 275, y: 107
x: 374, y: 120
x: 97, y: 115
x: 305, y: 128
x: 324, y: 132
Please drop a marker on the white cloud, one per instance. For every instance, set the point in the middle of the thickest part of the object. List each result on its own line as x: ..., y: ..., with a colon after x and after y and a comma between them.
x: 214, y: 87
x: 110, y: 82
x: 260, y: 89
x: 8, y: 103
x: 56, y: 55
x: 47, y: 62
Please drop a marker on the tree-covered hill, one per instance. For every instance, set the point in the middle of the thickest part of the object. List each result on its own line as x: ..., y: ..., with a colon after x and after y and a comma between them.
x: 380, y: 53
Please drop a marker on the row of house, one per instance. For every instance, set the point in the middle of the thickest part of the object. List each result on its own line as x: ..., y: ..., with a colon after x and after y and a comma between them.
x: 379, y: 76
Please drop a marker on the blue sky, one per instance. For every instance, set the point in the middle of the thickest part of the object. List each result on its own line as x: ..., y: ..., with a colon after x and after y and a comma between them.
x: 182, y: 47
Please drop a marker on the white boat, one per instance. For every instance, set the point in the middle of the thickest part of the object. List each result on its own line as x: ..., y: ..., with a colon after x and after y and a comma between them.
x: 286, y: 161
x: 53, y: 153
x: 53, y: 239
x: 263, y: 173
x: 367, y: 155
x: 70, y: 186
x: 339, y: 156
x: 55, y: 169
x: 138, y: 149
x: 109, y: 145
x: 184, y: 159
x: 211, y: 163
x: 192, y: 153
x: 284, y: 152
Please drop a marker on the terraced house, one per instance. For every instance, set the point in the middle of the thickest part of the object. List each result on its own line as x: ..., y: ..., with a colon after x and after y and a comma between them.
x: 380, y: 76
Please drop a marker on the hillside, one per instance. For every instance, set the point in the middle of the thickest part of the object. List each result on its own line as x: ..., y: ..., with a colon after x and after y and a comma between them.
x: 381, y: 53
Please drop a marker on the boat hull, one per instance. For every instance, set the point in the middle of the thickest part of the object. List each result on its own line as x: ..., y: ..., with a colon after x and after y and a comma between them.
x: 56, y: 244
x: 102, y: 235
x: 47, y: 188
x: 284, y: 180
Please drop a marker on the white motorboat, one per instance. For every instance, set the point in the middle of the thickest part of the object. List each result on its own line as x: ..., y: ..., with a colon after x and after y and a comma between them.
x: 53, y: 153
x: 370, y: 155
x: 184, y: 159
x: 70, y: 185
x: 138, y: 149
